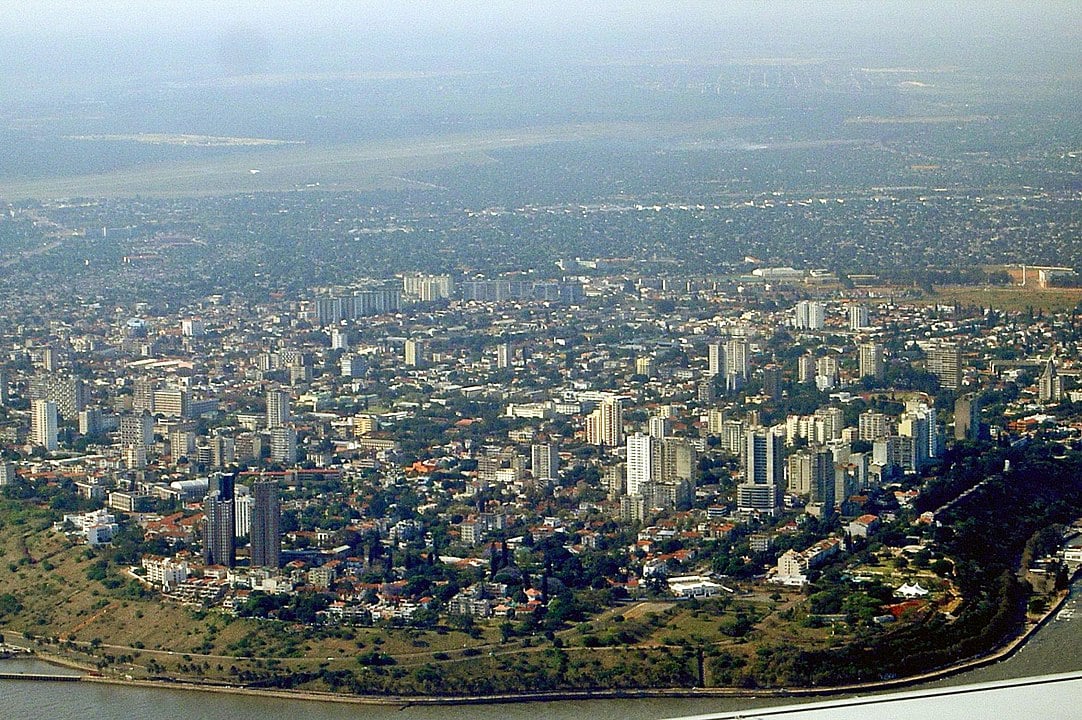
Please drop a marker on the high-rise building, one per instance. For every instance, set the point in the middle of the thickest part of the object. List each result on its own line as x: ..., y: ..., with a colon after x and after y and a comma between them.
x: 90, y: 422
x: 966, y: 418
x: 772, y: 381
x: 223, y: 450
x: 278, y: 413
x: 764, y: 457
x: 644, y: 365
x: 945, y: 362
x: 283, y: 445
x: 352, y: 365
x: 219, y: 543
x: 1050, y: 384
x: 826, y: 372
x: 427, y: 288
x: 829, y: 422
x: 811, y: 473
x: 715, y: 354
x: 181, y: 444
x: 872, y: 425
x: 375, y: 301
x: 43, y: 424
x: 249, y: 446
x: 919, y: 424
x: 503, y: 356
x: 872, y: 363
x: 339, y: 339
x: 223, y: 484
x: 736, y: 363
x: 173, y: 402
x: 805, y: 368
x: 714, y: 419
x: 679, y: 460
x: 659, y: 427
x: 3, y: 387
x: 49, y: 359
x: 68, y: 392
x: 137, y: 430
x: 605, y: 425
x: 242, y: 515
x: 732, y: 436
x: 545, y: 461
x: 7, y: 472
x: 887, y: 454
x: 641, y: 454
x: 858, y: 317
x: 809, y: 315
x: 143, y: 394
x: 266, y: 519
x: 414, y: 353
x: 756, y: 497
x: 192, y: 327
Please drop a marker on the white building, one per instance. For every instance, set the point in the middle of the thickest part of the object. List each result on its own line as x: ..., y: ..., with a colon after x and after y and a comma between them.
x: 165, y: 572
x: 640, y: 458
x: 693, y: 586
x: 97, y: 527
x: 43, y: 424
x: 809, y: 315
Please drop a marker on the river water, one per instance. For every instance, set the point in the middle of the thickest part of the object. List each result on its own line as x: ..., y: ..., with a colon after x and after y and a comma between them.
x: 1053, y: 649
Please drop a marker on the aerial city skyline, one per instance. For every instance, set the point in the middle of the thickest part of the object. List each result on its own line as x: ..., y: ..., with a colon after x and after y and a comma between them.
x: 449, y: 350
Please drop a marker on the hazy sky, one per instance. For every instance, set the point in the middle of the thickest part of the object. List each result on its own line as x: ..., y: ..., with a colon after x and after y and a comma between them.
x: 46, y: 38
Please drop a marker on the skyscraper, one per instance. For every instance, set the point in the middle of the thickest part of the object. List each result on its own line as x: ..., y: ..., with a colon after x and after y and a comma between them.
x: 68, y: 392
x: 858, y: 317
x: 640, y: 462
x: 871, y: 360
x: 764, y: 457
x: 266, y: 518
x: 224, y: 484
x: 137, y: 430
x: 339, y: 339
x: 659, y: 427
x: 772, y: 384
x: 277, y: 408
x: 219, y: 544
x: 826, y: 372
x: 605, y: 425
x: 43, y: 424
x: 764, y: 471
x: 545, y: 461
x: 415, y: 351
x: 811, y: 473
x: 503, y: 355
x: 283, y: 445
x: 736, y: 363
x: 809, y: 315
x: 715, y: 353
x: 873, y: 425
x: 966, y: 418
x: 805, y: 368
x: 945, y: 362
x: 1050, y: 384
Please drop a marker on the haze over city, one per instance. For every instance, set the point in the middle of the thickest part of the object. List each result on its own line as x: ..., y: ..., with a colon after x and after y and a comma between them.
x: 443, y: 351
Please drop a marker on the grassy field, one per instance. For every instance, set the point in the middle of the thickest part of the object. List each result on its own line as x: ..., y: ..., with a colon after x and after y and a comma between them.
x: 1010, y: 298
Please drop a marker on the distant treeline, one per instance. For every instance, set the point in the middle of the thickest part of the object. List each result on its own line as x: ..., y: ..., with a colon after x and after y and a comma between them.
x: 925, y: 277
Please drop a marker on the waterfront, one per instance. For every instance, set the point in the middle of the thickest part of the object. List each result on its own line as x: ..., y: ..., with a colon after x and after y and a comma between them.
x: 1053, y: 649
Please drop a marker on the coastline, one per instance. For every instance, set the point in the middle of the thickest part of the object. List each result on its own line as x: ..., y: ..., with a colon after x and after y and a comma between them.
x: 1001, y: 653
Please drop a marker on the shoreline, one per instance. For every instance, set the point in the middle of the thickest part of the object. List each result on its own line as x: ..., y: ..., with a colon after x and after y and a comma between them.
x: 1001, y: 653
